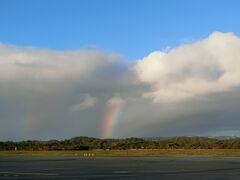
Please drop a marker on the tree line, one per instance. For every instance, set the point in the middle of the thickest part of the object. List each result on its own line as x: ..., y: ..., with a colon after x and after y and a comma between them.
x: 89, y: 143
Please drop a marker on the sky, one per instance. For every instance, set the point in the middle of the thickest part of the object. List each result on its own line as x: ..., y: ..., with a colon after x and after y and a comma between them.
x: 133, y: 28
x: 114, y: 69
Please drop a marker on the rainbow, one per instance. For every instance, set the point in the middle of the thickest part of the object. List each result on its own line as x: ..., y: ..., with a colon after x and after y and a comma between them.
x: 30, y: 119
x: 111, y: 118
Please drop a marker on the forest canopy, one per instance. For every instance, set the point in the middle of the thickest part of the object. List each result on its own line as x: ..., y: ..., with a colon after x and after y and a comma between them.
x: 89, y: 143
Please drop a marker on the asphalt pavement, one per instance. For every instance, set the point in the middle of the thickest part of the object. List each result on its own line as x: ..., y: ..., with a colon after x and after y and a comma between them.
x: 165, y: 168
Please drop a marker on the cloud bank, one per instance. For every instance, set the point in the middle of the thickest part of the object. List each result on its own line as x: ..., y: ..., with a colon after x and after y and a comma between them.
x: 189, y: 90
x: 193, y: 70
x: 35, y: 64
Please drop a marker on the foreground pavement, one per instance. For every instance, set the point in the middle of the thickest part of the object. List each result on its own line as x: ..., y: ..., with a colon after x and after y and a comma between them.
x: 120, y: 168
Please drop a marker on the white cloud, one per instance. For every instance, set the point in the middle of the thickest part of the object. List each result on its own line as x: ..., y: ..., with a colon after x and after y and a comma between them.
x: 35, y: 64
x: 192, y: 70
x: 87, y: 103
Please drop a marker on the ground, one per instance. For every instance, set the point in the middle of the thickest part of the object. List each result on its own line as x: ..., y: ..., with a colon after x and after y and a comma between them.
x: 78, y: 167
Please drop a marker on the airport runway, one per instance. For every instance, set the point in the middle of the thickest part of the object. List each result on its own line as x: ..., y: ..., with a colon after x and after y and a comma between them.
x: 120, y: 168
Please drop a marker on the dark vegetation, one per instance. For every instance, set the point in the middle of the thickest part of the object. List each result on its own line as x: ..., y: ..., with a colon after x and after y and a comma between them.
x: 88, y: 143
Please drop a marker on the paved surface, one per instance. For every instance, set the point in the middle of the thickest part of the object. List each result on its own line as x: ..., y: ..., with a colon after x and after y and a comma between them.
x: 119, y: 168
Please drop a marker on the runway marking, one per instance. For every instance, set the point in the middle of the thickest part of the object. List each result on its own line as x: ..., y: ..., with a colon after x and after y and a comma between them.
x: 28, y: 173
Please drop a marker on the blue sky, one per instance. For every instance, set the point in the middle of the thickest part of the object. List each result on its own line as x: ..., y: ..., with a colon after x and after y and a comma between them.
x: 133, y: 28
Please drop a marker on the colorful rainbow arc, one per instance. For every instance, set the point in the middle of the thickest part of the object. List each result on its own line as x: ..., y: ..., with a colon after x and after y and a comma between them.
x: 111, y: 119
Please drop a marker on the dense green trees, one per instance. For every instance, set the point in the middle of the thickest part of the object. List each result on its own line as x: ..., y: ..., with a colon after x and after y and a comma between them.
x: 88, y: 143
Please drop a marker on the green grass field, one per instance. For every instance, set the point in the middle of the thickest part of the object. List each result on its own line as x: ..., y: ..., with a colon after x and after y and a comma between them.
x: 130, y: 153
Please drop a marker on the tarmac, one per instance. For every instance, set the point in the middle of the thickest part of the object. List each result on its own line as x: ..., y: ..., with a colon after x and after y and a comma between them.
x: 165, y: 168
